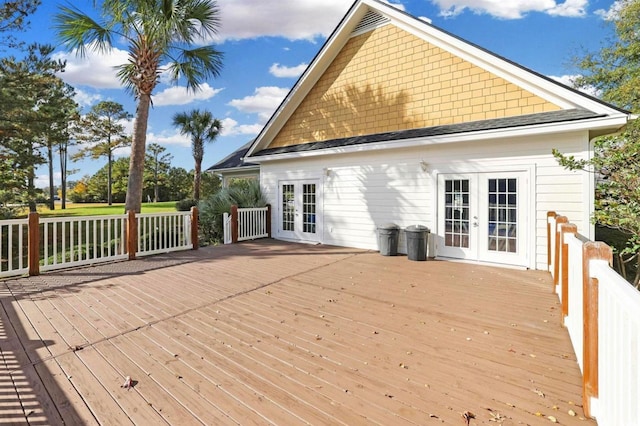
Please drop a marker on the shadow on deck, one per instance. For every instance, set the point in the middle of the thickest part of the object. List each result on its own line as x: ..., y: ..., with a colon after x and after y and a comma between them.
x: 271, y: 332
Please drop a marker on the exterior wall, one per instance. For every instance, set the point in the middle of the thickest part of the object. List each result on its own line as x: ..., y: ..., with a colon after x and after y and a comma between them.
x: 388, y: 80
x: 366, y: 189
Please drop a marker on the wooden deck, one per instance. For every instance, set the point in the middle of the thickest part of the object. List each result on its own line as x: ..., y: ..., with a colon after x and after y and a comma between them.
x: 275, y: 333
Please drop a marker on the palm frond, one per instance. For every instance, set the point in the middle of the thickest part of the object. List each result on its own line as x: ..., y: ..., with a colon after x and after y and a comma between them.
x: 78, y: 30
x: 196, y: 65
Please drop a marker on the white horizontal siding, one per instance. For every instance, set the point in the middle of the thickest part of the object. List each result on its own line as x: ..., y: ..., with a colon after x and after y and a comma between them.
x: 363, y: 190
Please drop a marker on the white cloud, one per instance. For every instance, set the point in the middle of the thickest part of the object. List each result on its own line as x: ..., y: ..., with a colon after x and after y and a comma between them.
x: 263, y: 102
x: 613, y: 12
x: 231, y: 127
x: 165, y: 138
x: 96, y: 70
x: 84, y: 98
x: 178, y: 95
x: 291, y: 19
x: 42, y: 180
x: 278, y: 70
x: 512, y: 9
x: 569, y: 80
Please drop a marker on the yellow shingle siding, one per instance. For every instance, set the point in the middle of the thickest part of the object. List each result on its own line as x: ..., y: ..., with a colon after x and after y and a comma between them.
x: 388, y: 79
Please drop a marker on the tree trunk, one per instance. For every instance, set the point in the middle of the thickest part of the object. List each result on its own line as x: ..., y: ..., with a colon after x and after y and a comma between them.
x: 155, y: 181
x: 31, y: 190
x: 52, y: 189
x: 136, y: 164
x: 109, y: 176
x: 63, y: 175
x: 196, y: 180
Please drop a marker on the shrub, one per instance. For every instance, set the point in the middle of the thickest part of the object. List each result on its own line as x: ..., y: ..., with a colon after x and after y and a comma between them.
x: 212, y: 208
x: 186, y: 204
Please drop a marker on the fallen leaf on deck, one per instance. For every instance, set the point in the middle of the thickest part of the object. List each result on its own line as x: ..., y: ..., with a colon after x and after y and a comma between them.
x: 467, y: 416
x: 552, y: 419
x: 538, y: 392
x: 572, y: 413
x: 128, y: 383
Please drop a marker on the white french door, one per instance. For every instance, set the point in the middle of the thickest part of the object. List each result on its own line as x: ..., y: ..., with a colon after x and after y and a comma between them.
x: 299, y: 217
x: 483, y: 216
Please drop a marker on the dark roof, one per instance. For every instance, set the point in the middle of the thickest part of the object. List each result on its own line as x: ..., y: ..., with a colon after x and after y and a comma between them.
x: 472, y: 126
x: 234, y: 160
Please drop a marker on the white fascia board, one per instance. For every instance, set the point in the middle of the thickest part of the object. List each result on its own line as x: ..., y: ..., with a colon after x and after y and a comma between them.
x: 234, y: 169
x: 614, y: 123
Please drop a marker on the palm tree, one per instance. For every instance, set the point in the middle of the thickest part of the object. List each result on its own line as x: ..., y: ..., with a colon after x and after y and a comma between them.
x: 202, y: 127
x: 160, y: 36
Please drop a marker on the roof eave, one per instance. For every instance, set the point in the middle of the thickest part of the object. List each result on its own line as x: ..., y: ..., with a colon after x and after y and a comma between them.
x: 235, y: 169
x: 602, y: 125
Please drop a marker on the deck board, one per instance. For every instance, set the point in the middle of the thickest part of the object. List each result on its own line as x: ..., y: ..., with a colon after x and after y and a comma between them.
x: 268, y: 332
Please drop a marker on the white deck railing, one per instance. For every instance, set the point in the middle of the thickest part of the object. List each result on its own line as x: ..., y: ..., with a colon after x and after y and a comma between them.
x: 246, y: 224
x: 13, y: 247
x: 252, y: 223
x: 163, y: 232
x: 618, y: 348
x: 574, y: 320
x: 226, y: 226
x: 83, y: 240
x: 66, y: 242
x: 603, y: 321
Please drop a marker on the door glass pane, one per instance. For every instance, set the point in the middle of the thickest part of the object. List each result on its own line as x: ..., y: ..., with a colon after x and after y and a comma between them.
x: 309, y: 208
x: 288, y: 208
x: 503, y: 207
x: 456, y: 221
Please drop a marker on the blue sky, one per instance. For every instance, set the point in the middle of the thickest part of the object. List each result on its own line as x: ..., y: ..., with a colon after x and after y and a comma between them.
x: 268, y: 43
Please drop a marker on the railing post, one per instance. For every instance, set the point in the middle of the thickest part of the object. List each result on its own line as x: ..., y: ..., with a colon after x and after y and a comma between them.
x: 132, y: 234
x: 565, y: 228
x: 556, y: 267
x: 34, y: 244
x: 234, y: 224
x: 194, y: 227
x: 591, y: 251
x: 268, y: 220
x: 549, y: 215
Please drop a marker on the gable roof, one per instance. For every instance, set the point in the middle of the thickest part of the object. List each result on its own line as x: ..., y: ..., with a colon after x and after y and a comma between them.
x: 234, y: 161
x: 365, y: 16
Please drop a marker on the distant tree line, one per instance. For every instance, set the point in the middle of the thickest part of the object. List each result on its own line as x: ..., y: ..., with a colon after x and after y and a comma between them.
x: 162, y: 182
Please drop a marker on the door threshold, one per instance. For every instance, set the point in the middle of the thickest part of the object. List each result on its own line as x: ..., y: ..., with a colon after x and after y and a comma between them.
x: 483, y: 263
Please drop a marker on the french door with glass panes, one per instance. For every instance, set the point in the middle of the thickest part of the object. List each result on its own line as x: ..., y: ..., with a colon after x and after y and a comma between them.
x: 482, y: 216
x: 298, y: 210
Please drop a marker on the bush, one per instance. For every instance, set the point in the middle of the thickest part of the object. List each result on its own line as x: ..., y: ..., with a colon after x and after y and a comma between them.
x: 186, y: 204
x: 212, y: 208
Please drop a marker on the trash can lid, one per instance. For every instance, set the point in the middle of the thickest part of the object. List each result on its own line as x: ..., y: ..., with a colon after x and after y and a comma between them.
x: 417, y: 228
x: 388, y: 226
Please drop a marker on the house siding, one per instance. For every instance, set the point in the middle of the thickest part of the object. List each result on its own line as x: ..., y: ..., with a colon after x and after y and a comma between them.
x: 388, y: 80
x: 363, y: 190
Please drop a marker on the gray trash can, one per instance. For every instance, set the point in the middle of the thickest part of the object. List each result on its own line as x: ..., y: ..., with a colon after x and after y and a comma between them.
x: 388, y: 239
x: 417, y: 238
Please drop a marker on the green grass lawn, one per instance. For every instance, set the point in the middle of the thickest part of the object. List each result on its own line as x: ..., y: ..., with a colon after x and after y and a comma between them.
x: 102, y: 209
